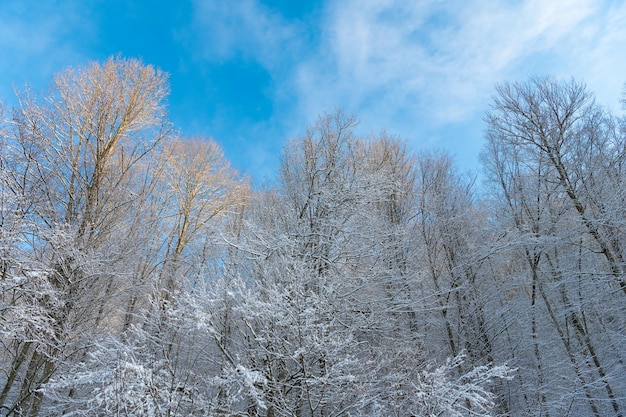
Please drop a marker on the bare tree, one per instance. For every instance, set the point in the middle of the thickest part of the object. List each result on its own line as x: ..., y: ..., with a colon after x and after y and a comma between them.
x: 201, y: 187
x: 561, y: 123
x: 548, y: 145
x: 71, y: 159
x: 327, y: 319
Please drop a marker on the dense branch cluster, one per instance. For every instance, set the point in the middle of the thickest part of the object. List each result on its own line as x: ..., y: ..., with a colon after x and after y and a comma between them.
x: 140, y: 275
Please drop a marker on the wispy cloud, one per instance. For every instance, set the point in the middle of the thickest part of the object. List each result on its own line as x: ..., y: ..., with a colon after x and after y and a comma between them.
x: 423, y: 69
x: 37, y: 39
x: 246, y: 29
x: 436, y: 58
x: 596, y: 54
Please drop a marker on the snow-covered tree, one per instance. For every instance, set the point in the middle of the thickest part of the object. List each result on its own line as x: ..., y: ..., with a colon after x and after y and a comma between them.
x: 553, y: 155
x: 68, y: 163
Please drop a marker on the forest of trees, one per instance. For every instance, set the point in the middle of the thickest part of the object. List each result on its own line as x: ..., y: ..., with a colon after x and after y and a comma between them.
x: 140, y: 275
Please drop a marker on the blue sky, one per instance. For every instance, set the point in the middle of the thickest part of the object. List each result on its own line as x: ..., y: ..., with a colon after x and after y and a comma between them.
x: 252, y: 73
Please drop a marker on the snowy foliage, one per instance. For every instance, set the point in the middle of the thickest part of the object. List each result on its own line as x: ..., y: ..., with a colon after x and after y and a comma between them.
x: 140, y: 275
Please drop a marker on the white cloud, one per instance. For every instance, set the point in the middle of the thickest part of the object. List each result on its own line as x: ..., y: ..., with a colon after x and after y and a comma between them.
x: 597, y: 56
x: 245, y: 28
x: 423, y: 68
x: 445, y: 55
x: 35, y: 40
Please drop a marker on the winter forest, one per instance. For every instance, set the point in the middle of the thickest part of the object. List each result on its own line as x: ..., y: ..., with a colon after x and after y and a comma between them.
x: 140, y: 275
